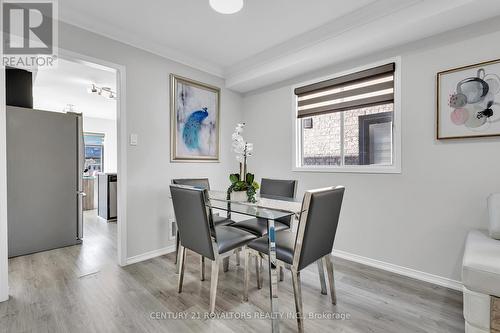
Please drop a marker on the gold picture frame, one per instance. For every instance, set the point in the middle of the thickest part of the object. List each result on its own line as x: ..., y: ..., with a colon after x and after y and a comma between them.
x: 475, y: 110
x: 200, y: 111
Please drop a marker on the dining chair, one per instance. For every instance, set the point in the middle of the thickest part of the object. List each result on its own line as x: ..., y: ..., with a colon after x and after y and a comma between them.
x: 198, y: 233
x: 278, y: 187
x: 313, y: 242
x: 202, y: 183
x: 271, y: 188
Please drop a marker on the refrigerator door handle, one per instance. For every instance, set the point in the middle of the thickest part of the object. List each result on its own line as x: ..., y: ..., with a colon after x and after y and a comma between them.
x: 81, y: 166
x: 79, y: 228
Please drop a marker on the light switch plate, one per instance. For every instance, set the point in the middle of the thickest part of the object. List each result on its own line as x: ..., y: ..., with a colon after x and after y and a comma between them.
x: 134, y: 139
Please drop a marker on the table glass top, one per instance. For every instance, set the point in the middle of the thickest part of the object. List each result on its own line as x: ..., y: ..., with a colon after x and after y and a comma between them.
x: 268, y: 207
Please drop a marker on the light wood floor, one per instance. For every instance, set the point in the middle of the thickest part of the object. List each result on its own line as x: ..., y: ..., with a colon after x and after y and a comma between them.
x: 82, y: 289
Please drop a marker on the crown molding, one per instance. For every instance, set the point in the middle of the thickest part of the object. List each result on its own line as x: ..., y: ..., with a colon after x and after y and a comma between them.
x: 73, y: 17
x: 379, y: 26
x: 365, y: 15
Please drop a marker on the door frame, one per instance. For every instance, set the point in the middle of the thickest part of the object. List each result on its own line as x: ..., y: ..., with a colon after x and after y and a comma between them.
x: 121, y: 165
x: 4, y: 248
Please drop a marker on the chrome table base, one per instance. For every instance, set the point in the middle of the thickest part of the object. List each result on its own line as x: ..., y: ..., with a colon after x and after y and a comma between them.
x: 273, y: 276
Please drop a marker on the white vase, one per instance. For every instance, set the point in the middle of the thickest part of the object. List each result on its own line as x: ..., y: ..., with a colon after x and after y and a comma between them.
x: 239, y: 196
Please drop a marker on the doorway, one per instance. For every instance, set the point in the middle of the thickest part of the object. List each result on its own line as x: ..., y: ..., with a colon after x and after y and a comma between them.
x: 89, y: 90
x: 119, y: 154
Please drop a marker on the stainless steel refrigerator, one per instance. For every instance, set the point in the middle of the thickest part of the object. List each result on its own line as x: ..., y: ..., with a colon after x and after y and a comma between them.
x: 44, y: 180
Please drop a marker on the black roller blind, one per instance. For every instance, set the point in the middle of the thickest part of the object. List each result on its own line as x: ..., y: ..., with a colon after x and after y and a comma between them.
x: 369, y: 87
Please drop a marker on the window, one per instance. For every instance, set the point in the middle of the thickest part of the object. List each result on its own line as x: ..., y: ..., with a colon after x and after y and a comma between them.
x: 348, y: 123
x: 94, y: 152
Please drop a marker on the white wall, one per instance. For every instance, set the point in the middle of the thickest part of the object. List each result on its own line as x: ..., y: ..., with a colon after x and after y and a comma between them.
x: 108, y: 128
x: 149, y: 170
x: 417, y: 219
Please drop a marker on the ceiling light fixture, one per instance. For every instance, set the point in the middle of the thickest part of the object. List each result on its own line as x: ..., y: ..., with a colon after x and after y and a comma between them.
x: 226, y: 6
x: 102, y: 91
x: 93, y: 89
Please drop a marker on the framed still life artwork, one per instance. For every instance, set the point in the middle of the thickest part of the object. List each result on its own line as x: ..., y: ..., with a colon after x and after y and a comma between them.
x: 194, y: 114
x: 468, y: 101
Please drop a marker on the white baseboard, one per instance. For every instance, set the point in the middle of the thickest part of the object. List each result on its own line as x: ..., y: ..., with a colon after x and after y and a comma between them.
x: 409, y: 272
x: 150, y: 254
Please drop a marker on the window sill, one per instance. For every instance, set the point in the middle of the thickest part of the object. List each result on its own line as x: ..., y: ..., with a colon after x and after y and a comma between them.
x: 349, y: 169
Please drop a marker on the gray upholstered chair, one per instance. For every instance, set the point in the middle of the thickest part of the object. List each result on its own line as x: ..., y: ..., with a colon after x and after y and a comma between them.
x: 271, y: 188
x: 312, y: 243
x: 198, y: 233
x: 202, y: 183
x: 278, y: 187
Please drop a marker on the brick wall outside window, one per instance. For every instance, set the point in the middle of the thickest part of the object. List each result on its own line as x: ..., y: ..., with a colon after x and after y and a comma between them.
x: 321, y: 144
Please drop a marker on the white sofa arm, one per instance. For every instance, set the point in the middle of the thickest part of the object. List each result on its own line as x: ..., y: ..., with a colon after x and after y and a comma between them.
x: 481, y: 280
x: 494, y: 213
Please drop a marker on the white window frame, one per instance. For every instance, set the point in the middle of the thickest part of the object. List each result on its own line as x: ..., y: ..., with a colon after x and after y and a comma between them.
x: 297, y: 135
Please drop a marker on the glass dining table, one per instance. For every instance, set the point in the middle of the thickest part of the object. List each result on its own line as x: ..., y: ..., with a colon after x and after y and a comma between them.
x: 269, y: 208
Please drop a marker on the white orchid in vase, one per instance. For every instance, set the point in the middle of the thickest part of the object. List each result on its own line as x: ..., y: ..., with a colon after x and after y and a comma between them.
x: 242, y: 149
x: 243, y: 181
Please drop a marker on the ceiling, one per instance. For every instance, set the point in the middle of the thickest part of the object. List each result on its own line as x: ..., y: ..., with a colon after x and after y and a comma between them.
x: 55, y: 88
x: 193, y: 28
x: 271, y: 40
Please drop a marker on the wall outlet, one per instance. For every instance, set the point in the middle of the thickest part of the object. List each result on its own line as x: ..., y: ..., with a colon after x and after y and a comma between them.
x: 173, y: 230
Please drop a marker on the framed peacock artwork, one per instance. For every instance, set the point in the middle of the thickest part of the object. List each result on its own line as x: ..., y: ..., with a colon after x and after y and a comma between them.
x: 194, y: 111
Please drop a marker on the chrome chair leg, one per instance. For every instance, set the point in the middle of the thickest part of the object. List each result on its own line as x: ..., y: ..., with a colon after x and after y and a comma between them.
x: 177, y: 261
x: 321, y: 272
x: 225, y: 264
x: 261, y: 263
x: 213, y: 283
x: 258, y: 272
x: 237, y: 251
x: 177, y: 243
x: 297, y: 292
x: 331, y: 280
x: 282, y: 274
x: 182, y: 260
x: 202, y: 268
x: 246, y: 255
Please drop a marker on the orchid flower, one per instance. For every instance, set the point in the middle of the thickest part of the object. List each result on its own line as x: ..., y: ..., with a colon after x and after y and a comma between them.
x: 240, y: 147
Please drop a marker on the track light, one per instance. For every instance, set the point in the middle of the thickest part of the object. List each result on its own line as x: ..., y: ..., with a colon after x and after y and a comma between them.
x: 92, y: 90
x: 102, y: 91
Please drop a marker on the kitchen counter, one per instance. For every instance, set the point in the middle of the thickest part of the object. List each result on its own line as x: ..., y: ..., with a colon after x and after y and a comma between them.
x: 89, y: 190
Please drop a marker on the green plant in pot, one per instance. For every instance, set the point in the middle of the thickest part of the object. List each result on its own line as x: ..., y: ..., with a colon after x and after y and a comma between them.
x: 248, y: 185
x: 243, y: 185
